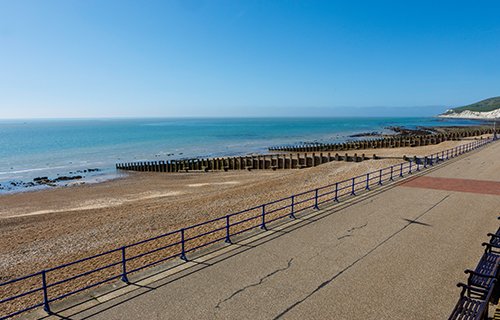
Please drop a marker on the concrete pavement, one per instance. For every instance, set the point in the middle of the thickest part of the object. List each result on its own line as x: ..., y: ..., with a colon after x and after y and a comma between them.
x: 393, y: 253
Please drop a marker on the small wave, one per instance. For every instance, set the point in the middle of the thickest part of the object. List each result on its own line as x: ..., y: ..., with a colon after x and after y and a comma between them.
x: 32, y: 170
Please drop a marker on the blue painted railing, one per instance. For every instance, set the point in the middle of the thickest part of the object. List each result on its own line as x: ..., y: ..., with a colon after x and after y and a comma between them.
x: 120, y: 262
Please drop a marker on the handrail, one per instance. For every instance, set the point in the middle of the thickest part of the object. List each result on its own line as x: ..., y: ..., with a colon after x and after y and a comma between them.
x: 226, y: 227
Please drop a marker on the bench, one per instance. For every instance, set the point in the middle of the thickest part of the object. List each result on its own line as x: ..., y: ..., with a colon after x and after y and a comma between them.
x: 481, y: 284
x: 473, y: 303
x: 495, y: 238
x: 487, y: 268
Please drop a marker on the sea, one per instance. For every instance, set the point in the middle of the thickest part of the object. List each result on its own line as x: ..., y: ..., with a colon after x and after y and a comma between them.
x: 53, y: 148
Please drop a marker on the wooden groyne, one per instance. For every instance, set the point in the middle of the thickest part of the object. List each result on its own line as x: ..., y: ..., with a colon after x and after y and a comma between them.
x: 257, y: 162
x: 395, y: 141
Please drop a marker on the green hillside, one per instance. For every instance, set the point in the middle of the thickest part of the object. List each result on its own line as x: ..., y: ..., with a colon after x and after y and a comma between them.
x: 481, y: 106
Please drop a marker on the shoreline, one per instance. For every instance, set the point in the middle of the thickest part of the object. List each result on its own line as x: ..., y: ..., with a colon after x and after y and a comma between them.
x: 95, y: 176
x: 71, y: 179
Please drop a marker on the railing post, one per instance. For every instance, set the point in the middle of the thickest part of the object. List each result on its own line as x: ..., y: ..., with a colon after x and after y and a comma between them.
x: 124, y: 266
x: 401, y: 170
x: 392, y: 170
x: 316, y: 199
x: 352, y: 189
x: 183, y: 246
x: 46, y: 306
x: 431, y: 160
x: 425, y: 164
x: 336, y: 199
x: 228, y: 238
x: 409, y: 168
x: 380, y: 177
x: 292, y: 210
x: 447, y: 154
x: 263, y: 224
x: 367, y: 181
x: 418, y: 165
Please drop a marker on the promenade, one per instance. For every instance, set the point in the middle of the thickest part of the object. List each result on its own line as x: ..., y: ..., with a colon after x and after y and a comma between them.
x: 392, y: 253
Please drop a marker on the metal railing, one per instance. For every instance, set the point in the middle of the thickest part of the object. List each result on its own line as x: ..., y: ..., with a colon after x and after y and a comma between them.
x: 59, y: 282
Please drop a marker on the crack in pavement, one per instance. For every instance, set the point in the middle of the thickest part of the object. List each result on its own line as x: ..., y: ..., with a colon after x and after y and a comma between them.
x: 325, y: 283
x: 349, y: 231
x: 289, y: 264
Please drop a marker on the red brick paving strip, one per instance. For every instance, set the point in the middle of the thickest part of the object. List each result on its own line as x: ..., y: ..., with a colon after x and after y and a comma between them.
x: 460, y: 185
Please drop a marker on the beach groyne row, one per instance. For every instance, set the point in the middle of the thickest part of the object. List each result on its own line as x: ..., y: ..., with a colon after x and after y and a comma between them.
x: 395, y: 141
x: 257, y: 162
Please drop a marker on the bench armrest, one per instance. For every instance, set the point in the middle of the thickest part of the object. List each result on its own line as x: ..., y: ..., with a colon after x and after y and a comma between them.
x: 469, y: 289
x: 469, y: 271
x: 493, y: 235
x: 489, y: 246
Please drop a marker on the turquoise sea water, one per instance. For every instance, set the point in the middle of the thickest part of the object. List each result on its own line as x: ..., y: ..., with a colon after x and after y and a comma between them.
x: 33, y: 148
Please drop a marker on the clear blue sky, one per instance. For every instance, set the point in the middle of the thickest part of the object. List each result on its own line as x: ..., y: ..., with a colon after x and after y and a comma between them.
x: 94, y: 58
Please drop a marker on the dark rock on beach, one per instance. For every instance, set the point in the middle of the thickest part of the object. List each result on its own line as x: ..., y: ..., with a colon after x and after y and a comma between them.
x: 66, y: 178
x: 52, y: 182
x: 411, y: 132
x: 46, y: 181
x: 365, y: 134
x: 41, y: 180
x: 16, y: 184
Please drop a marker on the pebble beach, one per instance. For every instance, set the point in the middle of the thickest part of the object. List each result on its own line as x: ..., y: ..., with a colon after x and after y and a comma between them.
x: 45, y: 228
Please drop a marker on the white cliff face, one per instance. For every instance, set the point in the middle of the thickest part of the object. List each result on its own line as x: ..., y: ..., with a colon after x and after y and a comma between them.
x: 467, y: 114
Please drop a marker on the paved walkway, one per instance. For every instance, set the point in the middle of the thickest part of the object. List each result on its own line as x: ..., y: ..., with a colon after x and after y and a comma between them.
x: 395, y: 253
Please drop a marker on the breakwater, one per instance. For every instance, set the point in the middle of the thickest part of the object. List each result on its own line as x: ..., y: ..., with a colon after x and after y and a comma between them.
x: 257, y: 162
x: 302, y: 156
x: 395, y: 141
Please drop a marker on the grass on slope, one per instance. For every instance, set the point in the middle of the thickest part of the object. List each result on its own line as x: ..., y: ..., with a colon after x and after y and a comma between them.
x: 481, y: 106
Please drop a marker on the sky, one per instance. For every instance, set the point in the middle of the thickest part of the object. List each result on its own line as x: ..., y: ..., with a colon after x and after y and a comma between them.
x: 175, y: 58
